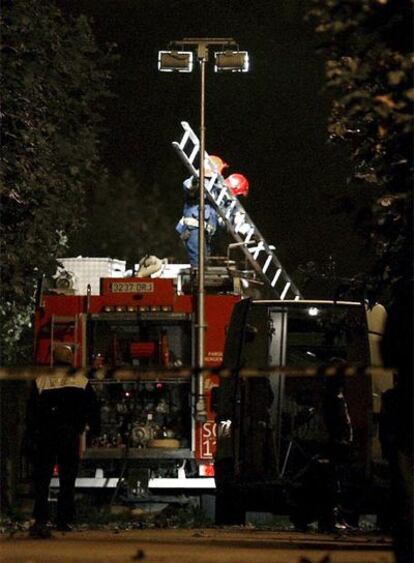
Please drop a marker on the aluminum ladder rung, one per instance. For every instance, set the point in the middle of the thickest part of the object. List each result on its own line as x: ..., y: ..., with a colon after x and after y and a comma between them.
x: 285, y: 290
x: 230, y: 210
x: 194, y: 153
x: 220, y: 196
x: 184, y: 140
x: 267, y: 264
x: 249, y: 235
x: 276, y: 277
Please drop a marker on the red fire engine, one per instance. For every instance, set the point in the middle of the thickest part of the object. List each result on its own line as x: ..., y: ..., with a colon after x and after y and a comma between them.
x: 144, y: 326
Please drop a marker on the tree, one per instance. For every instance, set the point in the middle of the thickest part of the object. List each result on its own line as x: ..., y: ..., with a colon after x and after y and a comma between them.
x: 54, y: 79
x: 128, y: 219
x: 368, y: 45
x: 369, y: 70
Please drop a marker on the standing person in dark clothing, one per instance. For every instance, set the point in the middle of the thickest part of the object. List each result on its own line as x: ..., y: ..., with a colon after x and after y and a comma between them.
x: 340, y: 438
x: 319, y: 495
x: 60, y: 406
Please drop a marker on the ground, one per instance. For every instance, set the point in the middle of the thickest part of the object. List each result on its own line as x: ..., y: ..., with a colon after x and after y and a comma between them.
x: 202, y: 545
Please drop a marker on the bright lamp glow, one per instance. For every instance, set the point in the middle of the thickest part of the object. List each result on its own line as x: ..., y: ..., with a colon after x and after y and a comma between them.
x: 175, y: 61
x: 313, y: 311
x: 232, y: 61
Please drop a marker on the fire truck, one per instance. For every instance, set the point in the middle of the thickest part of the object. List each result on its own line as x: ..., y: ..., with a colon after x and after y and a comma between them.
x: 144, y: 328
x: 136, y: 337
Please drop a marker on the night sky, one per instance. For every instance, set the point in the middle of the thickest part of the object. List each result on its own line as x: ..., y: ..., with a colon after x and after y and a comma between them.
x: 269, y: 124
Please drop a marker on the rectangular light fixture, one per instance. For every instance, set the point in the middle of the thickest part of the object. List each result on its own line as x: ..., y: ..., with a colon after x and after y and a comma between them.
x: 231, y: 61
x: 175, y: 61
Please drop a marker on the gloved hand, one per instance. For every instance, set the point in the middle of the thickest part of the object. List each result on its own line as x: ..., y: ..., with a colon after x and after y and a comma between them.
x: 194, y: 186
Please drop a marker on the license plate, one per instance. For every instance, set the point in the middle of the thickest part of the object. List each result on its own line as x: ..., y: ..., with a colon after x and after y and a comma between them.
x: 132, y: 287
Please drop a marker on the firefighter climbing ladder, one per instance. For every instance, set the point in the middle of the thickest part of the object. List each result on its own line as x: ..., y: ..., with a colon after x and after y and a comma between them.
x: 258, y: 253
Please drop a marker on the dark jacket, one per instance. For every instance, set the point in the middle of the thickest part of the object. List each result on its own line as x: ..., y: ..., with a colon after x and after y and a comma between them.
x: 62, y: 401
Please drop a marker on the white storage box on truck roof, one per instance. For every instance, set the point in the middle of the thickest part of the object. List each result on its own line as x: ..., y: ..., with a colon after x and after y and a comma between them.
x: 86, y: 271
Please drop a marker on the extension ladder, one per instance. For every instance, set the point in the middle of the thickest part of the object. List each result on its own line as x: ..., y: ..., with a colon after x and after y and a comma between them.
x: 259, y: 254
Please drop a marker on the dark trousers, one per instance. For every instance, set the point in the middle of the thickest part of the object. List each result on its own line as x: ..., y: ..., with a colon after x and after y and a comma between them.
x: 190, y: 239
x: 59, y: 447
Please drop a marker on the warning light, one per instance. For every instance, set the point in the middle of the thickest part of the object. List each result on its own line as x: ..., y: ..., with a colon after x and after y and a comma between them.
x: 206, y: 470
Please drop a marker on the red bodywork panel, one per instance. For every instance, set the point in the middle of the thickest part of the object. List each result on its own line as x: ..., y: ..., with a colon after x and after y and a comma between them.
x: 218, y: 309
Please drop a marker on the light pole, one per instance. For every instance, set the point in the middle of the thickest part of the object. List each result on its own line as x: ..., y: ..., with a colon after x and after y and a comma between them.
x: 228, y: 59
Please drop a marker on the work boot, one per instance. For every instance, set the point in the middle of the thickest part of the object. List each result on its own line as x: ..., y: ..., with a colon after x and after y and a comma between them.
x: 327, y: 521
x: 40, y: 531
x: 333, y: 522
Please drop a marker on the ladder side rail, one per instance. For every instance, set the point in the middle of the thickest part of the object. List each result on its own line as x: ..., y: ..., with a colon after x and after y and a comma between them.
x: 193, y: 171
x: 184, y: 140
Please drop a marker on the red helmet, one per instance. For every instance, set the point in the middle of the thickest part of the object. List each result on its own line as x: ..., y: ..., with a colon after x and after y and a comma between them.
x: 237, y: 184
x: 218, y: 164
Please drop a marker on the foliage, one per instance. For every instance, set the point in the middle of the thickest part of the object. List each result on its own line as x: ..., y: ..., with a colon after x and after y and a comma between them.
x: 54, y: 79
x: 128, y: 220
x: 369, y: 66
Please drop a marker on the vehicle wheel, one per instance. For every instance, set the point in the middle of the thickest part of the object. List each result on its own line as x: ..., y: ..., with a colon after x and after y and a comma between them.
x: 229, y: 508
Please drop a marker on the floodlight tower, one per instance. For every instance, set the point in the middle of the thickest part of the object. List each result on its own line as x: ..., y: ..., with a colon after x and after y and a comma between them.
x: 227, y: 59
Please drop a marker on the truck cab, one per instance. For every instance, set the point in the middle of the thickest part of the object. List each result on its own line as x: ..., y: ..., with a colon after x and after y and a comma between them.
x: 270, y: 424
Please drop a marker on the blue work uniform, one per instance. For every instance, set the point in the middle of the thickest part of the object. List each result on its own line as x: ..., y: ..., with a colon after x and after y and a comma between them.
x: 188, y: 225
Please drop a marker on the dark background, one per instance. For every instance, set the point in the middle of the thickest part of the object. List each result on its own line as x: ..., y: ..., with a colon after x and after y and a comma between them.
x: 269, y: 124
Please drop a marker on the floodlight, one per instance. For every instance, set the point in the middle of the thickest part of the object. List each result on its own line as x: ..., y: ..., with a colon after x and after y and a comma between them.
x: 313, y: 311
x: 232, y: 61
x: 175, y: 61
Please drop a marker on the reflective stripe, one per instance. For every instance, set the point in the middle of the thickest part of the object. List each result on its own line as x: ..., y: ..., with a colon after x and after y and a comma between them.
x: 191, y: 222
x: 60, y: 381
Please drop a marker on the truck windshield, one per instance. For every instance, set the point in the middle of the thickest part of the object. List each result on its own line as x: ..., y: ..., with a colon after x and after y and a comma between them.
x: 297, y: 334
x: 321, y: 333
